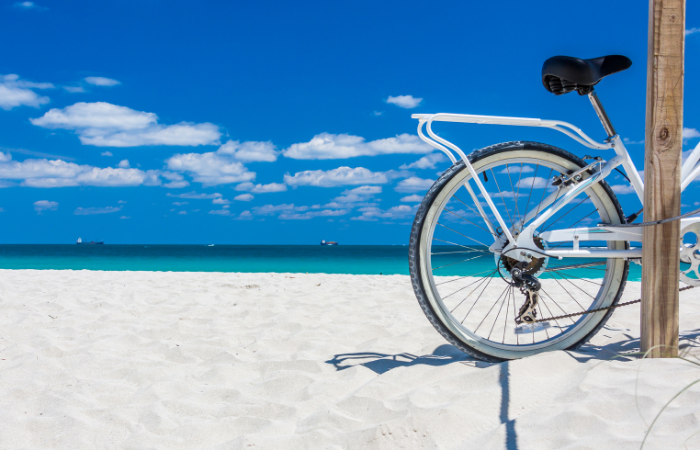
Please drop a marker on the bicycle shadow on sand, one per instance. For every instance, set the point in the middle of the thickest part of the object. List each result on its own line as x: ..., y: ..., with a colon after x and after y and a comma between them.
x: 381, y: 363
x: 617, y: 350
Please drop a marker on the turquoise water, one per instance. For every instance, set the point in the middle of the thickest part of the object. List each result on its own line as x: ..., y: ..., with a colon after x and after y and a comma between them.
x: 347, y: 259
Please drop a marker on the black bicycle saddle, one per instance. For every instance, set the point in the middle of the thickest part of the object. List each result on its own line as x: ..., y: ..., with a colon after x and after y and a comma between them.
x: 564, y: 74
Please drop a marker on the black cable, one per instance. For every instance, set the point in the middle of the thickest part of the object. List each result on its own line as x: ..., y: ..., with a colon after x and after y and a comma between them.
x: 624, y: 175
x: 648, y: 224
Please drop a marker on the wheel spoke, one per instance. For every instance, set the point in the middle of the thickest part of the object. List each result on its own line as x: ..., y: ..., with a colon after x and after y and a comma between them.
x: 488, y: 223
x: 466, y: 276
x: 579, y: 278
x: 471, y: 284
x: 477, y: 299
x: 473, y: 290
x: 505, y: 321
x: 574, y: 285
x: 463, y: 218
x: 550, y: 314
x: 463, y: 235
x: 464, y: 251
x: 458, y: 262
x: 507, y: 295
x: 448, y: 242
x: 558, y: 306
x: 564, y: 215
x: 491, y: 309
x: 502, y: 199
x: 567, y: 291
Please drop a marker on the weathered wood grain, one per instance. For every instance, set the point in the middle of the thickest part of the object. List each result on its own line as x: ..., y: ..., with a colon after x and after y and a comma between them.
x: 662, y: 169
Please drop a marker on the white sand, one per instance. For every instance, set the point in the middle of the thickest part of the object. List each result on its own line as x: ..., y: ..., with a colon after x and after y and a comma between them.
x: 92, y: 360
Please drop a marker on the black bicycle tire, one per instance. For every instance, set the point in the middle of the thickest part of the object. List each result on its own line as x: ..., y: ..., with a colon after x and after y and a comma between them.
x: 414, y: 256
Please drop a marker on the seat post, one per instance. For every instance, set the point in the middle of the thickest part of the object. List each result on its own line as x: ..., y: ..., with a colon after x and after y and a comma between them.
x: 598, y: 106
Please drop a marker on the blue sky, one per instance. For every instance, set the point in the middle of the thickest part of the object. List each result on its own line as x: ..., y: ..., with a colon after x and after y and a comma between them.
x: 283, y: 123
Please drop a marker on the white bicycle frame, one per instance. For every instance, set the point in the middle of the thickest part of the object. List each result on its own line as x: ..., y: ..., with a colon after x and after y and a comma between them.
x: 506, y: 242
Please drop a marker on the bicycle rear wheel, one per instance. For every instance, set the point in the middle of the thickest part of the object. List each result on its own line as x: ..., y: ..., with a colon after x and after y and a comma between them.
x: 466, y: 291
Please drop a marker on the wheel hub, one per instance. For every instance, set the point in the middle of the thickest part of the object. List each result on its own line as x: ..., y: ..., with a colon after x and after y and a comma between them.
x: 533, y: 268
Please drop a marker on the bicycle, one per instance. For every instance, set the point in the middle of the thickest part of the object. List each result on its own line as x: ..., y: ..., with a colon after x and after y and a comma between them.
x: 482, y: 247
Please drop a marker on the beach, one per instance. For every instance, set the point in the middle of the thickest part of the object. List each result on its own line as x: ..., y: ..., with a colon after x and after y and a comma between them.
x: 182, y: 360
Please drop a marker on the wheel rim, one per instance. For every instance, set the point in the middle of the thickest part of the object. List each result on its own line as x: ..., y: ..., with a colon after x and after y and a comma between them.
x: 500, y: 337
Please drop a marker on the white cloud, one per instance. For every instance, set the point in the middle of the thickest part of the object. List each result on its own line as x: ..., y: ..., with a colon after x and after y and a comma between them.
x: 515, y: 170
x: 58, y: 173
x: 181, y: 203
x: 690, y: 31
x: 175, y: 179
x: 245, y: 215
x: 311, y: 214
x: 74, y: 89
x: 342, y: 176
x: 426, y: 162
x: 404, y: 101
x: 26, y: 5
x: 532, y: 183
x: 106, y: 154
x: 101, y: 81
x: 125, y: 217
x: 272, y: 209
x: 359, y: 194
x: 412, y: 198
x: 630, y: 142
x: 261, y: 188
x: 118, y: 177
x: 221, y: 212
x: 121, y: 201
x: 224, y: 167
x: 210, y: 169
x: 250, y: 151
x: 176, y: 184
x: 94, y: 210
x: 183, y: 213
x: 690, y: 133
x: 124, y: 164
x: 244, y: 197
x: 220, y: 201
x: 339, y: 146
x: 194, y: 195
x: 622, y: 189
x: 413, y: 184
x: 105, y: 125
x: 377, y: 113
x: 16, y: 92
x: 45, y: 205
x: 397, y: 212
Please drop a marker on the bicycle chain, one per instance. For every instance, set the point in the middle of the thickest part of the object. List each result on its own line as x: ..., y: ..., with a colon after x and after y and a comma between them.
x: 602, y: 309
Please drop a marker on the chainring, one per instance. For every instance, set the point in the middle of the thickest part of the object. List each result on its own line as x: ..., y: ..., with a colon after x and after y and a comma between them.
x: 690, y: 254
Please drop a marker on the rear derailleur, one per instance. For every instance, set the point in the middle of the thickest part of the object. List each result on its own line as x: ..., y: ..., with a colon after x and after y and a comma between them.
x: 530, y: 287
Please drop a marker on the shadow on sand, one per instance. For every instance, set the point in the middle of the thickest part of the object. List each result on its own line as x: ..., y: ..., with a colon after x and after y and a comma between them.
x: 381, y: 363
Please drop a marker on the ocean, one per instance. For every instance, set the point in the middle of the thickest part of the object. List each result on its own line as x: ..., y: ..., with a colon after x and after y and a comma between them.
x: 341, y: 259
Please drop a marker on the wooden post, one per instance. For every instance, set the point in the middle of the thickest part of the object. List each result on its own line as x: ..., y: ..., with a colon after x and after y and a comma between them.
x: 662, y: 177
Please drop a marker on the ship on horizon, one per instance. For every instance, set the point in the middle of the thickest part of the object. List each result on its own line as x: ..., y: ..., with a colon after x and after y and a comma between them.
x: 329, y: 243
x: 80, y: 241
